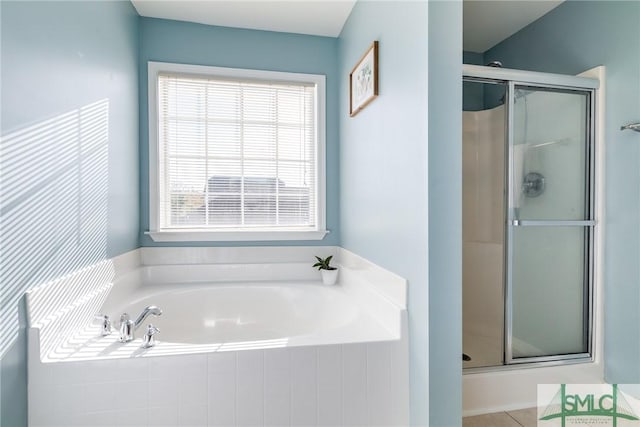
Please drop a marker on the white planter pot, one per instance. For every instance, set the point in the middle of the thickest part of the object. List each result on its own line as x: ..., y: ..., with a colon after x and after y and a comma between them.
x: 329, y: 277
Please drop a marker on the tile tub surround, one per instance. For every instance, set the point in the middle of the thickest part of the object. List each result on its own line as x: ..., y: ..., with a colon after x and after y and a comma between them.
x: 334, y: 385
x: 363, y: 383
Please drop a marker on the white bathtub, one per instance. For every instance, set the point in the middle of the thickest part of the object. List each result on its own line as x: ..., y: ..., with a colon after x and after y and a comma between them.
x: 232, y: 349
x: 225, y: 313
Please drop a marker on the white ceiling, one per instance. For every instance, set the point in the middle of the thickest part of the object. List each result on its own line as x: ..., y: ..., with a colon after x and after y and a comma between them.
x: 315, y: 17
x: 488, y: 22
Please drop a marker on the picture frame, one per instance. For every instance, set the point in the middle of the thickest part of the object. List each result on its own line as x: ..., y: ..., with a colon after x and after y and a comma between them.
x: 363, y: 80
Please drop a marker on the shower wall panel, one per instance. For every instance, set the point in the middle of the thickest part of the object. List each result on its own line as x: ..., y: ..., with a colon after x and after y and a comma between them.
x: 483, y: 152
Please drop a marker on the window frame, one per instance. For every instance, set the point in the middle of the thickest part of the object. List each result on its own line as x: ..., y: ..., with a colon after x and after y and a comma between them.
x: 259, y: 234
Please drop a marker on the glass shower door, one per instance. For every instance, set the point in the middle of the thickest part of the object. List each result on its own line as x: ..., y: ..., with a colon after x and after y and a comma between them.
x: 484, y: 146
x: 550, y: 223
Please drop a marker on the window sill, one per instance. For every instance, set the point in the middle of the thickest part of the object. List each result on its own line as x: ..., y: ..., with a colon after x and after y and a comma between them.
x: 233, y: 236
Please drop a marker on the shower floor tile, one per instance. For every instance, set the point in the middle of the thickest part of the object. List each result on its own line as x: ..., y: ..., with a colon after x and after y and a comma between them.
x: 526, y: 417
x: 519, y: 418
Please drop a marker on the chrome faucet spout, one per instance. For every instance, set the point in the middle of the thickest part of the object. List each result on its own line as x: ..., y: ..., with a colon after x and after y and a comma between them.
x: 128, y: 327
x: 152, y: 309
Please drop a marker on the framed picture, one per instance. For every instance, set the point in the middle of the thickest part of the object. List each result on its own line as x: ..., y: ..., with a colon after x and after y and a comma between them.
x: 363, y: 80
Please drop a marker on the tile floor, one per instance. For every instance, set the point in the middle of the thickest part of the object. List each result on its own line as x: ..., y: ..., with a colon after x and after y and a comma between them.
x: 519, y: 418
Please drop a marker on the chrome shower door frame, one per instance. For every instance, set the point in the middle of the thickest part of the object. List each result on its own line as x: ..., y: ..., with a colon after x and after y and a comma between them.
x: 542, y: 81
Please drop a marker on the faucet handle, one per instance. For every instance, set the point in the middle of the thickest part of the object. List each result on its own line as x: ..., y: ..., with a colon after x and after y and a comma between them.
x: 105, y: 324
x: 148, y: 340
x: 126, y: 328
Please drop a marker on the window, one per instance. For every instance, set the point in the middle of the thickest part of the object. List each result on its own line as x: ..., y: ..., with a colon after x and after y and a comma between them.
x: 235, y: 154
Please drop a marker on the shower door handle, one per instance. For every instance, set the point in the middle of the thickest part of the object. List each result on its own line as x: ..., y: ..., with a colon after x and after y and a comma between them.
x: 543, y: 223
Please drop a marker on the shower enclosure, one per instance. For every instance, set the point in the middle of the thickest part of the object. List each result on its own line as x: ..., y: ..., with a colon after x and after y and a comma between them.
x: 528, y: 217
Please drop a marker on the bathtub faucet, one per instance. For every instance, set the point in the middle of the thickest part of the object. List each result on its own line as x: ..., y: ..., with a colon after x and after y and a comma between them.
x: 128, y: 327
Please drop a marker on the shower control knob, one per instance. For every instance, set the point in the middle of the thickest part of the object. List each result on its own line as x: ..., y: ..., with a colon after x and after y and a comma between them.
x: 533, y: 184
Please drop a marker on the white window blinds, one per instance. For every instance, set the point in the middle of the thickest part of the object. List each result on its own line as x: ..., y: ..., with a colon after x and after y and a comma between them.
x: 236, y: 154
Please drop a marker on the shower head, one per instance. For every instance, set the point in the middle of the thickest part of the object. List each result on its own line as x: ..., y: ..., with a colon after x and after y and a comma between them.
x: 496, y: 64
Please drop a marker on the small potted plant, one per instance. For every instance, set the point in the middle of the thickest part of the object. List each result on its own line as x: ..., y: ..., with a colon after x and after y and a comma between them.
x: 329, y: 273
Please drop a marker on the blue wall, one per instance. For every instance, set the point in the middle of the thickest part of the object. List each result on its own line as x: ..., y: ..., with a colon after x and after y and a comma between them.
x: 383, y: 163
x: 472, y: 92
x: 478, y: 96
x: 474, y: 58
x: 572, y: 38
x: 182, y: 42
x: 445, y: 213
x: 69, y: 194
